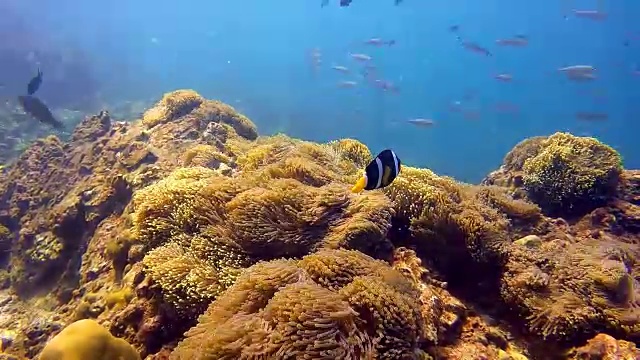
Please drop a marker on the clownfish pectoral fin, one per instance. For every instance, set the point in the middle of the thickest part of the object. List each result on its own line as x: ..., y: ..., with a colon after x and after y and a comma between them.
x: 359, y: 186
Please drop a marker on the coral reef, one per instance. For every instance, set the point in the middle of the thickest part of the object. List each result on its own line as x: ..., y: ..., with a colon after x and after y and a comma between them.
x: 188, y: 236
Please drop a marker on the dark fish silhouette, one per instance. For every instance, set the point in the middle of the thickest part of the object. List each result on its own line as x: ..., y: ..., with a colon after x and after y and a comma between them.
x: 348, y: 2
x: 34, y: 84
x: 36, y: 108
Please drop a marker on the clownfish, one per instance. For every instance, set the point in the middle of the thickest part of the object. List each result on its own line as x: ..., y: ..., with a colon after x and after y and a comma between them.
x: 380, y: 172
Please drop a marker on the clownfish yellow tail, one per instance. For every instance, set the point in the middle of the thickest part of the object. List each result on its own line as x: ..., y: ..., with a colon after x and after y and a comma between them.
x: 359, y: 186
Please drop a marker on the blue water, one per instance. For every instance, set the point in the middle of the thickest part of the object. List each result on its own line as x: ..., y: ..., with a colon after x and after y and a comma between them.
x: 255, y: 55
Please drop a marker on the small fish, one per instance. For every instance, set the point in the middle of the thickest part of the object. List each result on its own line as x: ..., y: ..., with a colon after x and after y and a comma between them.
x: 578, y: 69
x: 504, y: 77
x: 516, y: 41
x: 379, y: 42
x: 471, y: 46
x: 591, y: 116
x: 348, y: 2
x: 342, y: 69
x: 361, y: 57
x: 454, y: 28
x: 324, y: 3
x: 590, y: 14
x: 380, y: 172
x: 347, y: 84
x: 34, y: 83
x: 38, y: 110
x: 422, y: 122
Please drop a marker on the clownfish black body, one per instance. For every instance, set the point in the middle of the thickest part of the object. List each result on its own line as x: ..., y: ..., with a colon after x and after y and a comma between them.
x: 380, y: 172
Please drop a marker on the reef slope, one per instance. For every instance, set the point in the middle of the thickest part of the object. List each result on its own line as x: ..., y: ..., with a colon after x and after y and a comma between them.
x: 188, y: 236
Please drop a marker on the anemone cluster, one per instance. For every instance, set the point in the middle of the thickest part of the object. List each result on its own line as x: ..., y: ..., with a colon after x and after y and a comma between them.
x: 258, y: 243
x: 333, y: 304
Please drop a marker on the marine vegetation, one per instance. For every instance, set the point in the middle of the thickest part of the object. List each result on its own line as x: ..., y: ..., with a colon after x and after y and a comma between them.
x: 186, y: 235
x: 331, y: 304
x: 564, y: 174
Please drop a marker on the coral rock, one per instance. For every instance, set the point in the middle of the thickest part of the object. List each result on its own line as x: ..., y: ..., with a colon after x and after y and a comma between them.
x: 605, y: 347
x: 532, y: 241
x: 86, y: 339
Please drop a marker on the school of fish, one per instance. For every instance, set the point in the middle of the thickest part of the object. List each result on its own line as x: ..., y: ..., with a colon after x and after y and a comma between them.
x: 371, y: 75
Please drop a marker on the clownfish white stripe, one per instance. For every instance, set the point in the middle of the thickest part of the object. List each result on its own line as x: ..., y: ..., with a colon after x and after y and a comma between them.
x: 379, y: 163
x: 395, y: 162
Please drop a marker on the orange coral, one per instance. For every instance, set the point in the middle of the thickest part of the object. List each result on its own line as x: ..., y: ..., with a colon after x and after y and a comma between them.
x: 335, y: 269
x: 160, y: 211
x: 206, y: 156
x: 277, y: 221
x: 288, y: 218
x: 226, y: 114
x: 394, y: 316
x: 353, y: 150
x: 327, y: 323
x: 446, y: 222
x: 173, y: 105
x: 569, y: 292
x: 276, y: 310
x: 521, y: 211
